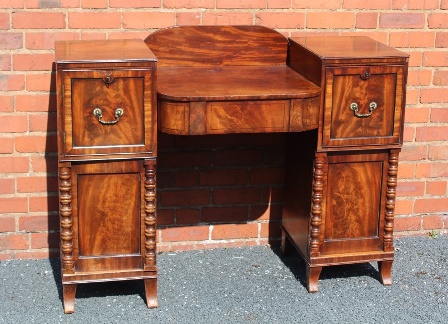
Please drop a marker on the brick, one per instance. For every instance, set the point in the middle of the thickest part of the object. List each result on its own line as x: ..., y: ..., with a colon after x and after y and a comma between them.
x: 13, y: 124
x: 33, y: 62
x: 365, y: 20
x: 7, y: 224
x: 330, y: 20
x: 403, y: 207
x: 93, y: 36
x: 271, y: 230
x: 186, y: 178
x: 196, y: 197
x: 234, y: 231
x: 415, y: 58
x: 438, y: 152
x: 14, y: 242
x: 185, y: 159
x: 439, y: 115
x: 432, y: 170
x: 100, y: 20
x: 141, y: 20
x: 316, y: 4
x: 94, y: 4
x: 409, y: 134
x: 419, y: 78
x: 165, y: 217
x: 36, y: 144
x: 5, y: 62
x: 224, y: 214
x: 7, y: 186
x: 189, y: 233
x: 431, y: 205
x: 362, y: 4
x: 267, y: 176
x: 45, y: 204
x: 42, y: 4
x: 37, y: 184
x: 223, y: 177
x: 38, y: 20
x: 6, y: 103
x: 432, y: 133
x: 35, y: 103
x: 439, y: 58
x: 70, y: 3
x: 412, y: 39
x: 414, y: 152
x: 36, y: 254
x: 42, y: 123
x: 413, y: 223
x: 188, y: 216
x: 12, y: 82
x: 135, y: 3
x: 440, y: 78
x: 436, y: 188
x: 44, y: 240
x: 441, y: 40
x: 438, y: 20
x: 45, y: 40
x: 406, y: 170
x: 44, y: 163
x: 11, y: 41
x: 8, y: 4
x: 41, y: 82
x: 433, y: 222
x: 233, y: 196
x: 188, y: 18
x: 14, y: 164
x: 265, y: 212
x: 240, y: 4
x: 4, y: 20
x: 402, y: 20
x: 415, y: 4
x: 6, y: 145
x: 237, y: 157
x: 417, y: 115
x: 410, y: 189
x: 444, y: 4
x: 38, y: 223
x: 227, y: 18
x: 278, y: 4
x: 433, y: 95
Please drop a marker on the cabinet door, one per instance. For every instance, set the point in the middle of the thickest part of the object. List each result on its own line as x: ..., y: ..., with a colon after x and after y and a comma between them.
x: 108, y: 215
x: 108, y: 113
x: 354, y: 207
x: 363, y: 106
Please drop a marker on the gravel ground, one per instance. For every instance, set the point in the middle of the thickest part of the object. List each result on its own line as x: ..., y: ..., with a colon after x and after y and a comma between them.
x: 243, y: 285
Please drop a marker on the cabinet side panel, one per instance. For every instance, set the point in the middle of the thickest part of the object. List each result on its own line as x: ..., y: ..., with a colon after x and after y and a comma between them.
x: 109, y: 214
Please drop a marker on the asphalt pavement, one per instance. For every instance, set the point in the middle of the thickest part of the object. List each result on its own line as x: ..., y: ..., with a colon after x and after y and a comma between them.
x: 241, y: 285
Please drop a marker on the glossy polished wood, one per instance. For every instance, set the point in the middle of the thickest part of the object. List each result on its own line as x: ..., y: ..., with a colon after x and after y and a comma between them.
x: 107, y: 164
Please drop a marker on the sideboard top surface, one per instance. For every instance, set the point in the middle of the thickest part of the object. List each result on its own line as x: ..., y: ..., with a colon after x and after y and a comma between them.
x: 110, y: 51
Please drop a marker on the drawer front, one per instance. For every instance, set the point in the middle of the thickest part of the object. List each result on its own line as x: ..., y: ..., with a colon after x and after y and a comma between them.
x: 108, y: 113
x: 247, y: 116
x: 363, y: 106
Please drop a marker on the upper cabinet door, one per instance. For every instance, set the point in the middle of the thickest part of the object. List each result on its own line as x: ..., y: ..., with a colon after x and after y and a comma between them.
x: 108, y: 113
x: 363, y: 106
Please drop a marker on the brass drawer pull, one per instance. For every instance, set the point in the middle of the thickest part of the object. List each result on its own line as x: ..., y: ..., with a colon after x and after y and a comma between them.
x: 372, y: 106
x: 97, y: 112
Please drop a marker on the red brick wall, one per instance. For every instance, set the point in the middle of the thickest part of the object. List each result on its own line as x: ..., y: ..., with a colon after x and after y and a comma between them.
x: 226, y: 189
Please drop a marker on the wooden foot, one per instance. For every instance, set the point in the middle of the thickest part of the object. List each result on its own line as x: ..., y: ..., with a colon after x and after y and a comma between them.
x: 385, y: 269
x: 151, y: 293
x: 312, y: 278
x: 286, y: 246
x: 68, y: 295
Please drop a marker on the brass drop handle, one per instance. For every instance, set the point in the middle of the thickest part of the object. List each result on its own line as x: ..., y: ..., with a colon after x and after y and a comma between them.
x: 372, y: 106
x: 97, y: 112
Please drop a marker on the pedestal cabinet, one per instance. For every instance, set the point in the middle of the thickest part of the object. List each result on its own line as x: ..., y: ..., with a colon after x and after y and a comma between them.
x: 107, y: 144
x: 340, y: 189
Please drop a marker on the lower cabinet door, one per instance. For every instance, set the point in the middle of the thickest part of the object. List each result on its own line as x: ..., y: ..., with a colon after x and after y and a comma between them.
x: 108, y: 215
x: 354, y: 207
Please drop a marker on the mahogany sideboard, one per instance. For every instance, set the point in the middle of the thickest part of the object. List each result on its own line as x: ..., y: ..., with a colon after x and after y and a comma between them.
x: 341, y: 100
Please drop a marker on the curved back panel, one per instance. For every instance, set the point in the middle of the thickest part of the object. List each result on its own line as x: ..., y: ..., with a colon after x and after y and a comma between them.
x: 218, y: 45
